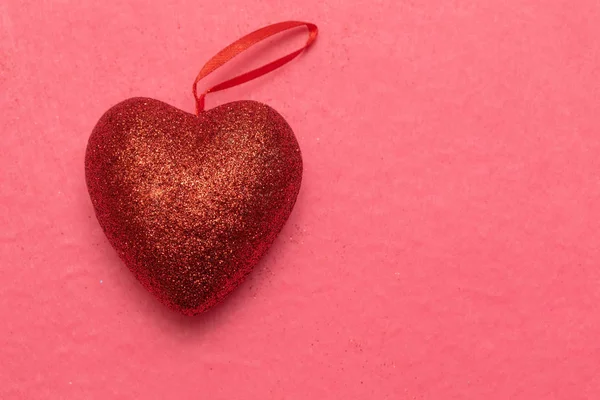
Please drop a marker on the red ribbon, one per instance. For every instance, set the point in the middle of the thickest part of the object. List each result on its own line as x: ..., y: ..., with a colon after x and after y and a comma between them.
x: 242, y: 44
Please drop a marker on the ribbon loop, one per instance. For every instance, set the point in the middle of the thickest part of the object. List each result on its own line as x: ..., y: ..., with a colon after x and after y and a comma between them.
x: 243, y: 44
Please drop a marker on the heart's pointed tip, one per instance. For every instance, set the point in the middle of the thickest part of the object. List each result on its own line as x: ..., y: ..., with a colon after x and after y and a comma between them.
x: 190, y: 312
x: 197, y: 310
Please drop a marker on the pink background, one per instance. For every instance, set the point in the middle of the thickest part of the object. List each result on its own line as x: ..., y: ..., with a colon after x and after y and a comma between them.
x: 445, y: 243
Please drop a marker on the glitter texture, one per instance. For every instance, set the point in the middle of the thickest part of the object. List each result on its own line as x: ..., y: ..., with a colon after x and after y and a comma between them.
x: 191, y: 203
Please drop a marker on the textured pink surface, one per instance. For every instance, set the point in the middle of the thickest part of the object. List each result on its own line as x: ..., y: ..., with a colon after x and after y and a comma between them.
x: 445, y: 243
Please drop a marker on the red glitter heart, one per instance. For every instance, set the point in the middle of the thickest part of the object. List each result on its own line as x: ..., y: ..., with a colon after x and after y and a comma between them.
x: 191, y: 203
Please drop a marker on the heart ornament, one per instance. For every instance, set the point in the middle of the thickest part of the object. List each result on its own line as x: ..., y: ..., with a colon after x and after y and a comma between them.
x: 191, y: 202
